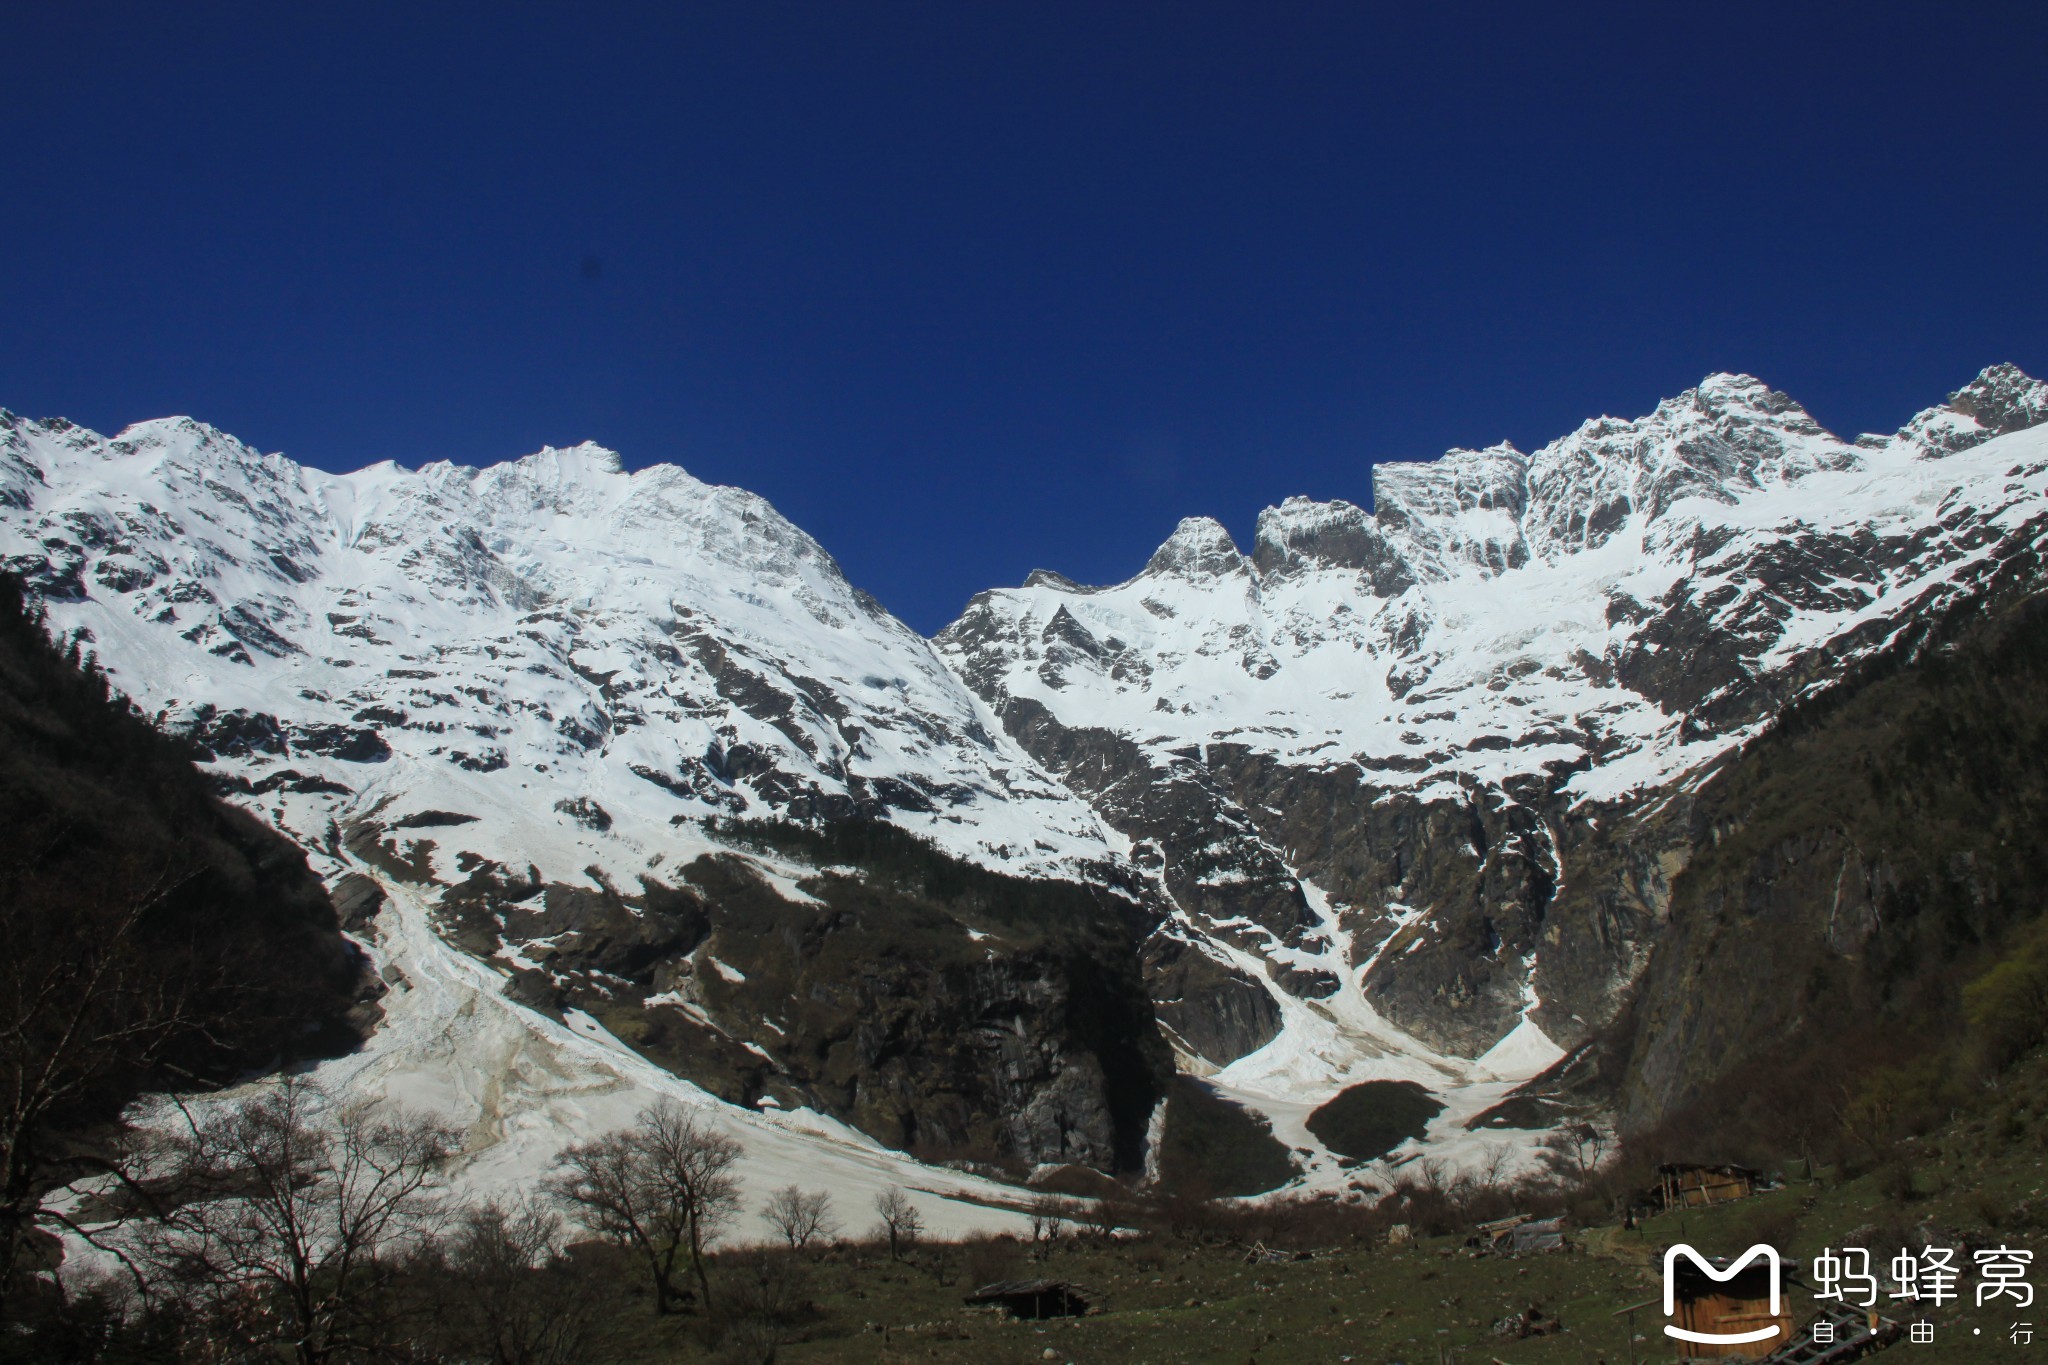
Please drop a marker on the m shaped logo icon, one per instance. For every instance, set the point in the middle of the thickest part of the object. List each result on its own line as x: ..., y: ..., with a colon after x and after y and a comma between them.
x: 1768, y: 1255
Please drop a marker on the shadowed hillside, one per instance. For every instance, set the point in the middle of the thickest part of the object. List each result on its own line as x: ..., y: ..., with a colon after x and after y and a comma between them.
x: 153, y: 936
x: 1854, y: 946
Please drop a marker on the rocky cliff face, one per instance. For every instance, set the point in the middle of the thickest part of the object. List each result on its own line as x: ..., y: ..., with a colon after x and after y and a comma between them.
x: 1852, y: 869
x: 853, y: 970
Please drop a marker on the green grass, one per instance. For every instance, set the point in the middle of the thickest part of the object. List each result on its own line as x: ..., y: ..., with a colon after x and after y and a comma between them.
x: 1168, y: 1299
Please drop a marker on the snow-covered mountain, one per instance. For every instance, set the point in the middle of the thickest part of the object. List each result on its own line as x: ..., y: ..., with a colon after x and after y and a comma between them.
x: 581, y: 653
x: 1402, y: 789
x: 523, y: 692
x: 1416, y: 777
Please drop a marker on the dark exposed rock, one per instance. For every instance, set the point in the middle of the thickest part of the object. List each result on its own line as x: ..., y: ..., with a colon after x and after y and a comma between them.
x: 1032, y: 1043
x: 357, y: 899
x: 1301, y: 534
x: 350, y: 744
x: 433, y: 819
x: 2002, y: 399
x: 1207, y: 849
x: 283, y: 779
x: 586, y: 813
x: 223, y: 734
x: 1211, y: 1009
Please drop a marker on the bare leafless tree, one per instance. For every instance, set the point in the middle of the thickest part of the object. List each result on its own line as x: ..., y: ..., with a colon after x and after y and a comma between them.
x: 800, y: 1217
x: 518, y: 1302
x: 604, y: 1184
x: 83, y: 1002
x: 692, y: 1164
x: 1492, y: 1172
x: 285, y: 1230
x: 662, y: 1188
x: 1050, y: 1216
x: 1574, y: 1150
x: 901, y: 1222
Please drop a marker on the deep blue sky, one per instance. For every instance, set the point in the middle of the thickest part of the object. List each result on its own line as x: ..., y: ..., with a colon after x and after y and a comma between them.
x: 968, y: 288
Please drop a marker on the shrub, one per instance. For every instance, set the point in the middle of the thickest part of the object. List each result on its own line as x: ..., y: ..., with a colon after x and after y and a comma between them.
x: 2007, y: 1007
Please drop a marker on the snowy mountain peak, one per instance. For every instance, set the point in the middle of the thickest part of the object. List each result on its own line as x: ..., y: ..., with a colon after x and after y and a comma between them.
x: 580, y: 460
x: 184, y: 443
x: 176, y: 433
x: 1199, y: 547
x: 564, y: 476
x: 1729, y: 435
x: 1461, y: 510
x: 2001, y: 399
x: 1727, y: 392
x: 645, y: 646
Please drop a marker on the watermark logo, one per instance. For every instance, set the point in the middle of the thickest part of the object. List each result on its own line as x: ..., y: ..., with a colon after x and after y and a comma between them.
x: 1735, y: 1267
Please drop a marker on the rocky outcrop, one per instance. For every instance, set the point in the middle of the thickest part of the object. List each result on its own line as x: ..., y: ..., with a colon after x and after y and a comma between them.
x: 1212, y: 1010
x: 947, y: 1011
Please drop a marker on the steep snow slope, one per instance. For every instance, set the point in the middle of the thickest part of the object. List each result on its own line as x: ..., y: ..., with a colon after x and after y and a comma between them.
x: 514, y: 1082
x: 516, y: 1086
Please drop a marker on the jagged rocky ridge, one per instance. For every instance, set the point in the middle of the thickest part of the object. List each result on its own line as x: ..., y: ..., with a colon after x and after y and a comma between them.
x: 1399, y: 794
x: 1442, y: 712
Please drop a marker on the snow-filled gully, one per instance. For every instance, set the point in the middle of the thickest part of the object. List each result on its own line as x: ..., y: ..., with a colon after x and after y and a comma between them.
x: 1327, y: 1045
x: 519, y: 1086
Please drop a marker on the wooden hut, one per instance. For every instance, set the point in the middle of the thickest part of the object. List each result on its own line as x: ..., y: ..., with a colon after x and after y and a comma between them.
x: 1518, y: 1235
x: 1032, y: 1298
x: 1734, y: 1306
x: 1685, y: 1185
x: 1538, y: 1234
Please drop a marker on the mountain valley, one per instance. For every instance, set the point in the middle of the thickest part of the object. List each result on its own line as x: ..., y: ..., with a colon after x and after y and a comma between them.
x: 1404, y: 794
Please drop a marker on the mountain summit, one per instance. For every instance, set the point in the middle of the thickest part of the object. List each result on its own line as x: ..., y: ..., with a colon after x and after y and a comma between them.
x: 1390, y: 795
